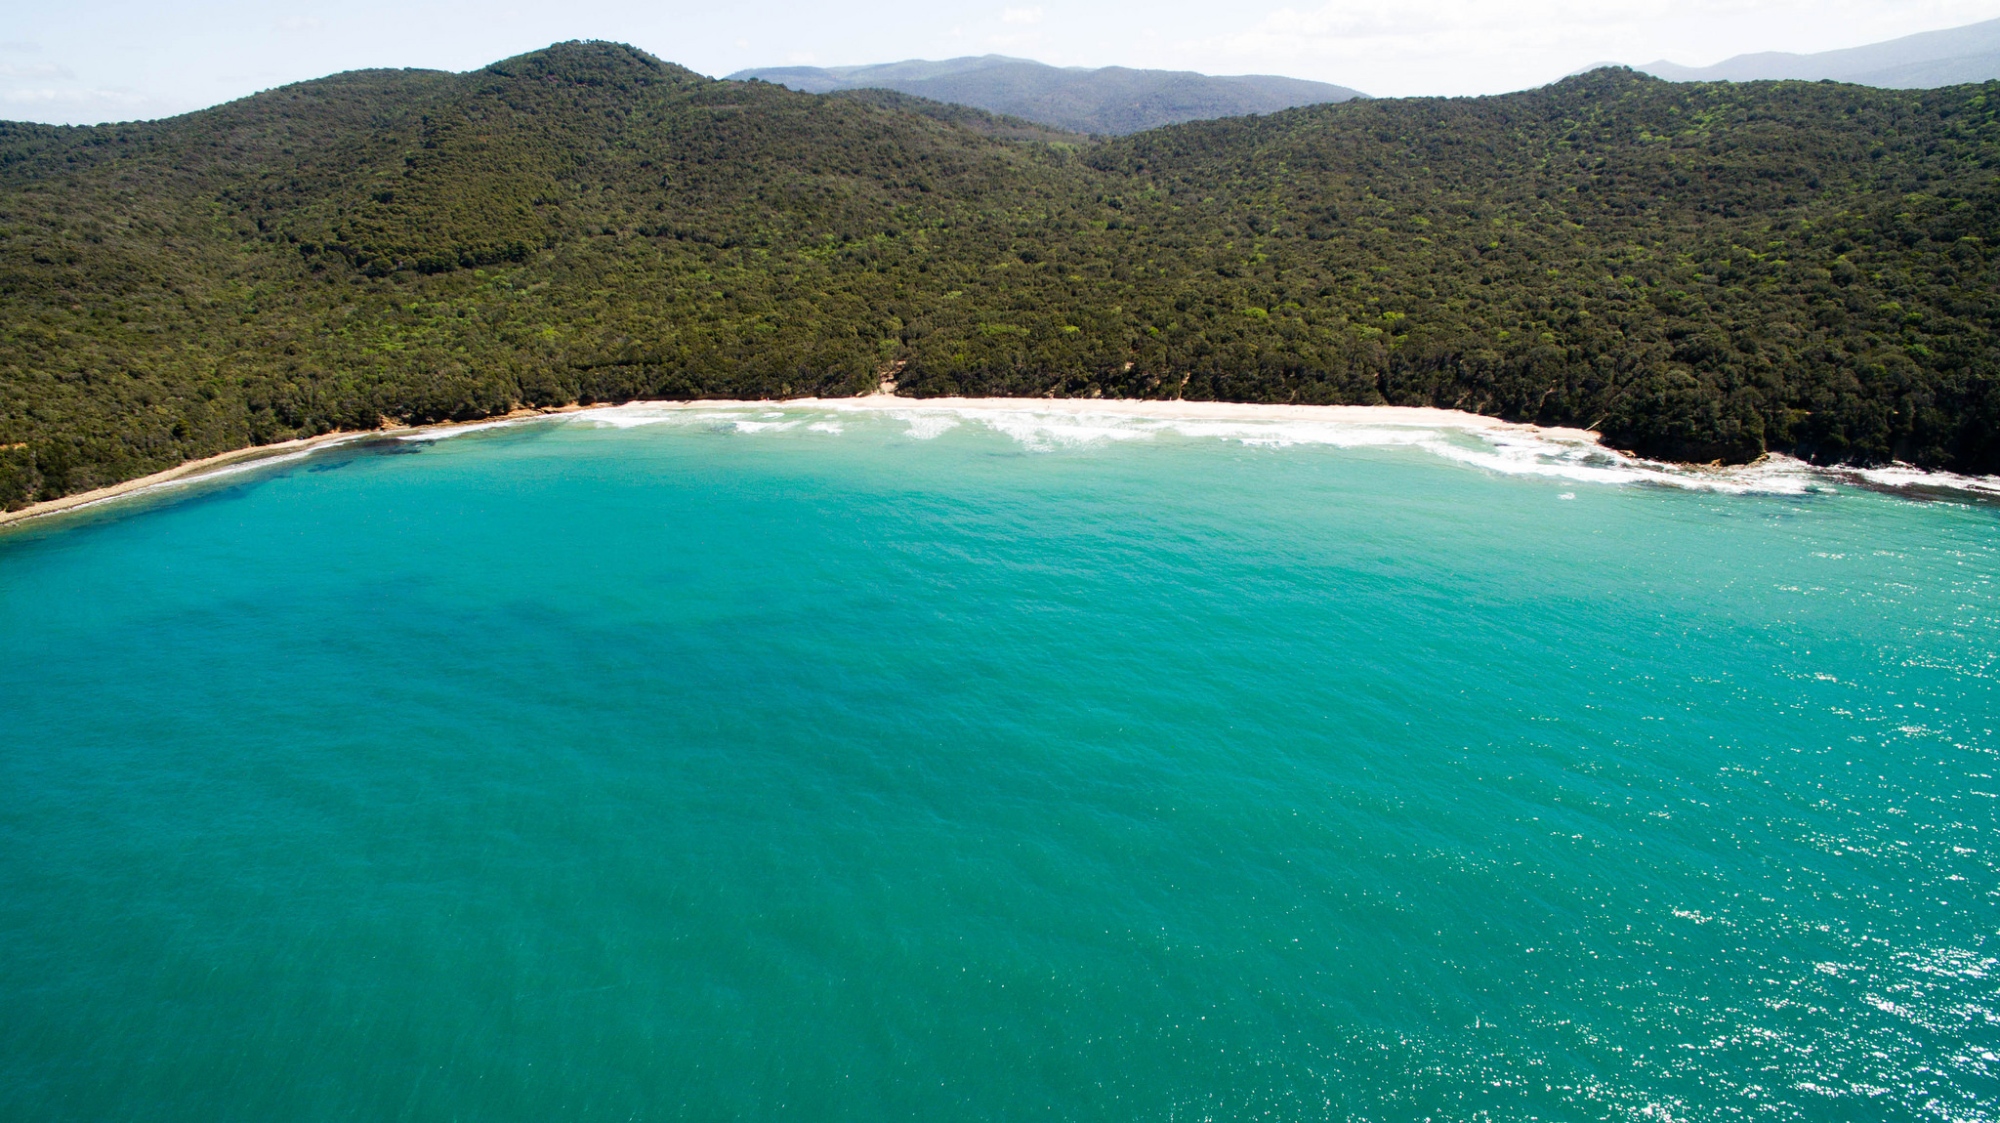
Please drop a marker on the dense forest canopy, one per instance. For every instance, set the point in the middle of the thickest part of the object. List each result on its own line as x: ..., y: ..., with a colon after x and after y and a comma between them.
x: 1109, y: 101
x: 1700, y: 272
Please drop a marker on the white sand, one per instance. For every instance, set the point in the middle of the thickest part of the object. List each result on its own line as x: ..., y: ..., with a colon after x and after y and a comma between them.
x: 1778, y: 474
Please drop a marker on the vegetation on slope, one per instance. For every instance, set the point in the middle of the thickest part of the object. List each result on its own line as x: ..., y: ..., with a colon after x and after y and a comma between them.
x: 1108, y: 101
x: 996, y: 125
x: 1701, y: 272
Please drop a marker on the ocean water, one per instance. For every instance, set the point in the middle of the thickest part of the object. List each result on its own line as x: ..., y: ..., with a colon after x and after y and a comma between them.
x: 828, y: 764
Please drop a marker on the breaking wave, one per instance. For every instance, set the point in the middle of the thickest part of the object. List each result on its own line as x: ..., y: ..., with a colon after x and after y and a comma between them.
x: 1470, y: 439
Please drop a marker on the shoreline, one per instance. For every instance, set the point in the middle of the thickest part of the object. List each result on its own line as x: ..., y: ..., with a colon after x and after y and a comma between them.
x: 240, y: 459
x: 1176, y: 409
x: 1169, y: 409
x: 193, y: 471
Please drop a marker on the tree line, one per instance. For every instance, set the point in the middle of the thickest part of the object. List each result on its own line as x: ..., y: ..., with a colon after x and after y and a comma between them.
x: 1699, y: 271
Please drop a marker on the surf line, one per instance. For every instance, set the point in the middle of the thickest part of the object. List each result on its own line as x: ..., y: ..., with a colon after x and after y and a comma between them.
x: 240, y: 459
x: 1894, y: 478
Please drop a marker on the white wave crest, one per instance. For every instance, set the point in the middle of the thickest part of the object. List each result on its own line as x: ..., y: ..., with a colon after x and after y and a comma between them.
x: 926, y: 425
x: 1477, y: 441
x: 447, y: 432
x: 1042, y: 431
x: 1902, y: 476
x: 1474, y: 440
x: 636, y: 414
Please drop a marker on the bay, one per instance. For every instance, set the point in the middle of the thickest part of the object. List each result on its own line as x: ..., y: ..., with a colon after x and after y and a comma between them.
x: 799, y: 763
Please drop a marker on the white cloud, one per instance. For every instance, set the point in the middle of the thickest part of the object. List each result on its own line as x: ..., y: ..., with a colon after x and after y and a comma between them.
x: 39, y: 70
x: 1021, y: 15
x: 82, y: 97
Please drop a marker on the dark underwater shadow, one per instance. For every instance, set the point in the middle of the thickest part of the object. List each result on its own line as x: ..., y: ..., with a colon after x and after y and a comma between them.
x: 237, y: 481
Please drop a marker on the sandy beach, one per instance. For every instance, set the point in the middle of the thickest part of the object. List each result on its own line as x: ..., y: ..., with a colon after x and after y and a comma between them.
x: 242, y: 459
x: 185, y: 472
x: 1178, y: 410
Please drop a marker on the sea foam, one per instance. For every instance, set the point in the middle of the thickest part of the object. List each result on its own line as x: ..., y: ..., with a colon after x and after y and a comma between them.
x: 1473, y: 440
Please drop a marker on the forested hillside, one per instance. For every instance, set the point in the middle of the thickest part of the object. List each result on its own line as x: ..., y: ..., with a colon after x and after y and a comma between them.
x: 1700, y: 271
x: 1109, y: 101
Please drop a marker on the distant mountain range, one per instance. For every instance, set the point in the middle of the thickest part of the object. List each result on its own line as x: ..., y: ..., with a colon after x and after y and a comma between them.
x: 1934, y: 58
x: 1110, y: 101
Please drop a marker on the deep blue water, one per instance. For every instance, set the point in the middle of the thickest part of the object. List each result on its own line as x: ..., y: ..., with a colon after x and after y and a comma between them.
x: 706, y: 771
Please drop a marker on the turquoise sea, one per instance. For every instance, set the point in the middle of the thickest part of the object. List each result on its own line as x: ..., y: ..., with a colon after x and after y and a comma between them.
x: 811, y: 764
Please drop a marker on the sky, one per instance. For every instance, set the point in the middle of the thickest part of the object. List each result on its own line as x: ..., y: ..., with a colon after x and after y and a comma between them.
x: 87, y: 61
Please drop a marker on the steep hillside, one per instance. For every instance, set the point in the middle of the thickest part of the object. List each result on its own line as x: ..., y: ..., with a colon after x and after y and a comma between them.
x: 996, y: 125
x: 1111, y: 100
x: 583, y: 222
x: 1701, y: 271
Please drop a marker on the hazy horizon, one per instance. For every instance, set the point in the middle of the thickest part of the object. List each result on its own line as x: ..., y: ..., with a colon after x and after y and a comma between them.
x: 108, y: 60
